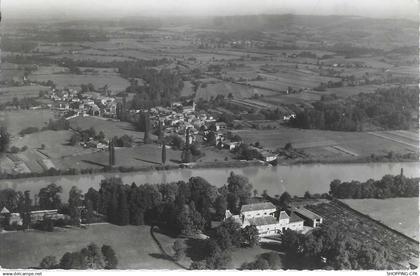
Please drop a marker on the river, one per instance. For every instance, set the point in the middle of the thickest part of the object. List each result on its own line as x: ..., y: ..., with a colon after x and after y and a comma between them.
x: 295, y: 179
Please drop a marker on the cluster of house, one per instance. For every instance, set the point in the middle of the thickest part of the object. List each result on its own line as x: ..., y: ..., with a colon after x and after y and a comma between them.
x: 269, y: 221
x: 89, y: 103
x: 179, y: 118
x: 9, y: 218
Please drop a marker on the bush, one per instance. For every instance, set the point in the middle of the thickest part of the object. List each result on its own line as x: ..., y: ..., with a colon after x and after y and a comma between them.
x: 28, y: 130
x: 14, y: 149
x: 45, y: 225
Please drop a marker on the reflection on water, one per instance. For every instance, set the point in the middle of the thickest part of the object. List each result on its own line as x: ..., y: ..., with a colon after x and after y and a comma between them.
x: 295, y: 179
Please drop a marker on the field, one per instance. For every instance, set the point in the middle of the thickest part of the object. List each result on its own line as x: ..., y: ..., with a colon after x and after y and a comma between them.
x: 110, y: 128
x: 18, y: 120
x: 334, y: 144
x: 347, y: 91
x: 368, y: 231
x: 225, y: 88
x: 30, y: 91
x: 401, y: 214
x: 296, y: 79
x: 114, y: 82
x: 133, y: 245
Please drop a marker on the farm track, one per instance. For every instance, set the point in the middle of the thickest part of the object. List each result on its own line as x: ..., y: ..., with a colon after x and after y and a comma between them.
x: 368, y: 231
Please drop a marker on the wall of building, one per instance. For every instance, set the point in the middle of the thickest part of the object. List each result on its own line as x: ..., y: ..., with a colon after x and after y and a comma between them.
x: 268, y: 230
x: 258, y: 213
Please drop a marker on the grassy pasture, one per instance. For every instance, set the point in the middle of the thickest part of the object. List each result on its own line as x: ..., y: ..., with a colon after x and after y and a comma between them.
x: 114, y: 82
x: 133, y: 245
x: 30, y: 91
x: 401, y: 214
x: 110, y: 128
x: 18, y: 120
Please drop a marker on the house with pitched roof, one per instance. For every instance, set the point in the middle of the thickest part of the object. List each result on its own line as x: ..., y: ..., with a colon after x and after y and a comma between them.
x: 265, y: 217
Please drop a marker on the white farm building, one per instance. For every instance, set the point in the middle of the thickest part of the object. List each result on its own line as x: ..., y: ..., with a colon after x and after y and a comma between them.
x: 267, y: 219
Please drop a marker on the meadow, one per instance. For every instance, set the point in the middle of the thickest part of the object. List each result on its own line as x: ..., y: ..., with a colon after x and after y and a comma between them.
x: 133, y: 245
x: 109, y: 127
x: 17, y: 120
x: 114, y: 82
x: 30, y: 91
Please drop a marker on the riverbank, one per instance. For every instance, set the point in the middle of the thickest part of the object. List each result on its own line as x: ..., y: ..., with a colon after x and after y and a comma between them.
x: 205, y: 165
x: 295, y: 179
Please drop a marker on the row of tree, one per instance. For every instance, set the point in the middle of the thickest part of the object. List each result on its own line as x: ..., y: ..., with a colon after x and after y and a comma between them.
x: 182, y: 207
x: 387, y: 187
x: 90, y: 257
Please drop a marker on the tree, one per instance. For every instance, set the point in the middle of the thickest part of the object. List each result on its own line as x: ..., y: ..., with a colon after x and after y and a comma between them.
x: 285, y: 199
x: 217, y: 259
x: 111, y: 150
x: 75, y: 139
x: 288, y: 147
x: 250, y: 235
x: 240, y: 191
x: 147, y: 139
x: 75, y: 203
x: 123, y: 211
x: 163, y: 152
x: 110, y: 259
x: 49, y: 262
x: 220, y: 205
x: 186, y: 156
x: 307, y: 195
x: 27, y: 208
x: 4, y: 139
x: 179, y: 249
x: 223, y: 238
x: 89, y: 211
x: 92, y: 256
x: 49, y: 197
x: 292, y: 242
x: 73, y: 260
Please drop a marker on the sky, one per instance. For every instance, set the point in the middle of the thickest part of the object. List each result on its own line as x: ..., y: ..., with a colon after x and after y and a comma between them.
x: 67, y: 9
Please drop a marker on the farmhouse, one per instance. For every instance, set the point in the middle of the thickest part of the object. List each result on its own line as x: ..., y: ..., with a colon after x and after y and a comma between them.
x: 266, y: 219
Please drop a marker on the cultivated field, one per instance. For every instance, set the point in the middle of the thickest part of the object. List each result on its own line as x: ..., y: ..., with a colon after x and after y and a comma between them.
x: 225, y: 88
x: 367, y: 231
x: 133, y: 245
x: 401, y: 214
x: 332, y: 144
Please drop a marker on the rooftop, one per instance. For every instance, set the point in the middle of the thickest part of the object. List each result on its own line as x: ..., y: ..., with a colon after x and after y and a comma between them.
x: 4, y: 211
x: 258, y: 221
x: 257, y: 206
x: 306, y: 213
x: 283, y: 215
x: 294, y: 218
